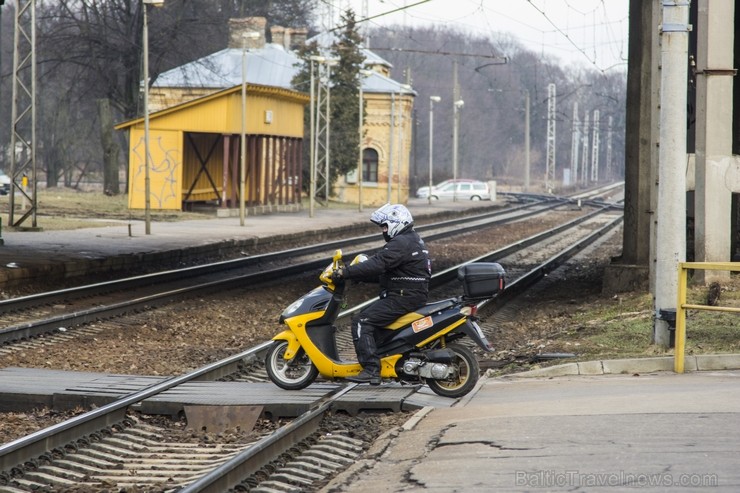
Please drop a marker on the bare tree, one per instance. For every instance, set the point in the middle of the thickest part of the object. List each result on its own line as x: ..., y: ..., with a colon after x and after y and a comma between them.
x: 492, y: 124
x: 90, y: 53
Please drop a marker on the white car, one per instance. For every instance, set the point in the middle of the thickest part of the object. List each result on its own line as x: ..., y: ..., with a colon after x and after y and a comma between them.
x: 423, y: 192
x: 4, y: 183
x: 465, y: 190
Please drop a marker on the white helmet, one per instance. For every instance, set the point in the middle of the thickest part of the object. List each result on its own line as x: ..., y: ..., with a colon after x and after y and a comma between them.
x: 396, y: 217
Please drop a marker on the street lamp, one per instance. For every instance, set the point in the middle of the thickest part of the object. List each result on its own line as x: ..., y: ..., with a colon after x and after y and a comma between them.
x: 432, y: 100
x: 457, y: 107
x: 147, y: 184
x: 243, y: 149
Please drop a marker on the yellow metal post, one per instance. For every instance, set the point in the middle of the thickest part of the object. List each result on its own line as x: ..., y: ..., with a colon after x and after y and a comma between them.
x: 682, y: 306
x: 680, y: 349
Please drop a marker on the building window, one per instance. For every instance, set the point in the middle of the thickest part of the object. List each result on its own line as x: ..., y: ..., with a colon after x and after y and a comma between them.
x: 370, y: 165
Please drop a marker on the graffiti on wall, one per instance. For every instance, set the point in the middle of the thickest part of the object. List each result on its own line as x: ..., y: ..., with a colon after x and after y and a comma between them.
x: 164, y: 164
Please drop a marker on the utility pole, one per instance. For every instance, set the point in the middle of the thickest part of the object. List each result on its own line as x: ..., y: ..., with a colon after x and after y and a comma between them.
x: 584, y: 148
x: 609, y: 172
x: 595, y: 149
x: 527, y: 163
x: 575, y: 144
x: 550, y: 169
x: 23, y: 118
x: 671, y: 217
x: 457, y: 105
x: 390, y: 147
x: 320, y: 126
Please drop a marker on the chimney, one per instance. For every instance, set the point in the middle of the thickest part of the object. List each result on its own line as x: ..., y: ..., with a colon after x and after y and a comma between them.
x: 280, y: 36
x: 237, y: 27
x: 297, y: 38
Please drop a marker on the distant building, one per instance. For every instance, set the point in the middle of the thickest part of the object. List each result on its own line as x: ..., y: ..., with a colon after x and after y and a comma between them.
x: 195, y: 129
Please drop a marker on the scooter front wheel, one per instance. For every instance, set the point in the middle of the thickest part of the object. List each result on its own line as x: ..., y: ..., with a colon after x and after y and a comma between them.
x: 465, y: 377
x: 293, y: 374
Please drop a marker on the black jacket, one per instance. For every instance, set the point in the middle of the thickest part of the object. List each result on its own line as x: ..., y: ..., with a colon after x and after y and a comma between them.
x: 403, y: 264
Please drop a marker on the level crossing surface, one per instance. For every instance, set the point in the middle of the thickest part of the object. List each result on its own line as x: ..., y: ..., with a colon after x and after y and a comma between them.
x: 25, y: 389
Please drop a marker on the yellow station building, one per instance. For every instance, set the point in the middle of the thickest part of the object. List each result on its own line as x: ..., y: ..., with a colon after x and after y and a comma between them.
x: 195, y: 128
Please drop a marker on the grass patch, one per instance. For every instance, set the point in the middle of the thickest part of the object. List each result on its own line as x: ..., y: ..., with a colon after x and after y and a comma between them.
x: 66, y: 208
x: 624, y: 328
x: 609, y: 330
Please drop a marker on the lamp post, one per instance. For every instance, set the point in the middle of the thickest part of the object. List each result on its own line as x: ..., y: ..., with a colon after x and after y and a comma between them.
x: 147, y: 184
x: 457, y: 106
x: 243, y: 147
x: 432, y: 100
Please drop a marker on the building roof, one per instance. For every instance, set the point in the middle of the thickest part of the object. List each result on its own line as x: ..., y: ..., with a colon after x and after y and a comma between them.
x: 271, y: 65
x: 379, y: 83
x: 326, y: 39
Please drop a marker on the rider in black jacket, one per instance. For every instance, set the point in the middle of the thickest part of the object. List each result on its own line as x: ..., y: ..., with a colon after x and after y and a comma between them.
x: 404, y: 269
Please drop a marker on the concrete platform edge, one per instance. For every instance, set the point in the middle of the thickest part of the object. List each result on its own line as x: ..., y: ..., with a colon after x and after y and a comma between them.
x: 700, y: 362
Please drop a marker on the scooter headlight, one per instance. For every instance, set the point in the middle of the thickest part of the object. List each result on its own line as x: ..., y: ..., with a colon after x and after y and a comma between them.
x: 292, y: 308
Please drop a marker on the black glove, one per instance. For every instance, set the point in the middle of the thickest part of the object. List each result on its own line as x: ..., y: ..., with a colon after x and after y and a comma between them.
x: 338, y: 275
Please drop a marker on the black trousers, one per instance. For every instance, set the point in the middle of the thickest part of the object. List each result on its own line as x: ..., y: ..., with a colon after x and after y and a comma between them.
x: 367, y: 324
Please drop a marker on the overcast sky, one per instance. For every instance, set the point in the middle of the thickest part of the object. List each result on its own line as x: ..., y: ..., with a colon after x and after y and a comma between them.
x: 588, y: 32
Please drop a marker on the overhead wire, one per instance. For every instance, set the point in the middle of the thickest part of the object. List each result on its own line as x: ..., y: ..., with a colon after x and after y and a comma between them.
x: 594, y: 52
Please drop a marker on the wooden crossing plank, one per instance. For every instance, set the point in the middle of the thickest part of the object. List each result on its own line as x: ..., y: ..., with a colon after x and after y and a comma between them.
x: 22, y: 389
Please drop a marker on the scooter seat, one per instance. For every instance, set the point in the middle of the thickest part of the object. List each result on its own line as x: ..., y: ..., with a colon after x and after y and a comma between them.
x: 422, y: 312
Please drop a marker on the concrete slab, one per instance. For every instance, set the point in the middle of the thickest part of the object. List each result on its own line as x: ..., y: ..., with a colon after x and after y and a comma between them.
x: 590, y: 368
x: 716, y: 361
x: 658, y: 432
x: 637, y: 365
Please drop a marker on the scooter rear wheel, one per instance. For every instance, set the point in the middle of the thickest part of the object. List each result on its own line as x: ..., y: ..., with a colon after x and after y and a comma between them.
x: 294, y: 374
x: 466, y: 378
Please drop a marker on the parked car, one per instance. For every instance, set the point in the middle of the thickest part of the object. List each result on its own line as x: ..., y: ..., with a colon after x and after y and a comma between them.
x: 467, y: 190
x: 4, y: 183
x: 423, y: 192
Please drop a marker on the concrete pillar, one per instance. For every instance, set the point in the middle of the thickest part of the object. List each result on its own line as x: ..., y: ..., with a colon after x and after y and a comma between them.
x: 671, y: 221
x: 714, y: 78
x: 634, y: 268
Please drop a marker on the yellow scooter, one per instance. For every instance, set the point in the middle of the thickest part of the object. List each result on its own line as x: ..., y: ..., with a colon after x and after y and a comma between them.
x: 416, y: 348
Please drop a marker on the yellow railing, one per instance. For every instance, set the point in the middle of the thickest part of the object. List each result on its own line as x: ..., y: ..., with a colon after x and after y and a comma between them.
x: 682, y: 306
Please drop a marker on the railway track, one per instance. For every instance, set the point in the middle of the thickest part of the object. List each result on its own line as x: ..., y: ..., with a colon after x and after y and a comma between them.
x: 523, y: 265
x: 26, y: 318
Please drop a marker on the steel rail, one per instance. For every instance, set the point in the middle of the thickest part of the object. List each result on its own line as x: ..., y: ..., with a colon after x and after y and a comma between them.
x: 236, y: 470
x: 158, y: 277
x: 247, y: 463
x: 24, y: 449
x: 450, y: 274
x: 38, y: 327
x: 15, y: 453
x: 520, y: 284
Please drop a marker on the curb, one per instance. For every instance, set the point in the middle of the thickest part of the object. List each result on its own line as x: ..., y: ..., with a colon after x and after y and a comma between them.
x: 699, y: 362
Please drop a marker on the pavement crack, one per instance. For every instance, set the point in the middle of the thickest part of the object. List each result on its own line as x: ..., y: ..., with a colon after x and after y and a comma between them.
x: 487, y: 443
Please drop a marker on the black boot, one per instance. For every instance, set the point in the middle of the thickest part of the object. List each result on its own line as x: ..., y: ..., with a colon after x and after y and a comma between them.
x: 365, y: 376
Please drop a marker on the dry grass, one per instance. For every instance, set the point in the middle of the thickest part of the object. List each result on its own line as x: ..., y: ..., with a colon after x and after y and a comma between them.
x: 66, y: 208
x: 623, y: 326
